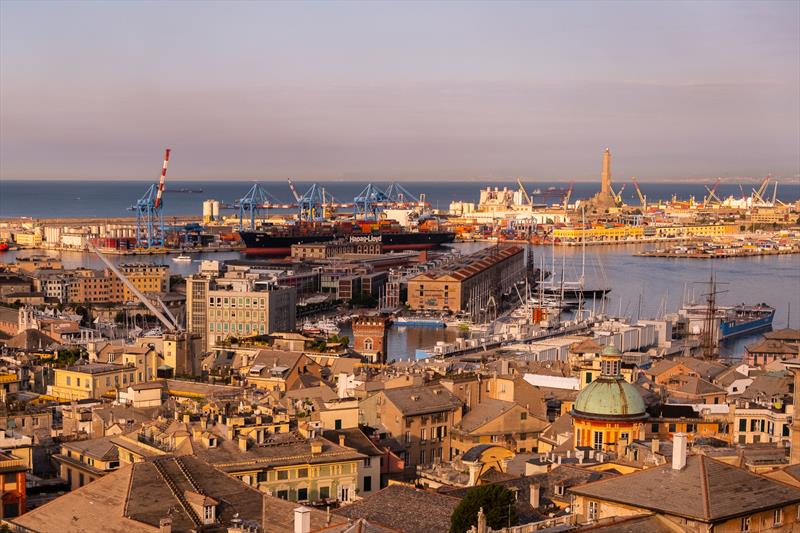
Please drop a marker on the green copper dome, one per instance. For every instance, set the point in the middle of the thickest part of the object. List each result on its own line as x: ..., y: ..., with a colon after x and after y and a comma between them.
x: 610, y: 397
x: 610, y: 350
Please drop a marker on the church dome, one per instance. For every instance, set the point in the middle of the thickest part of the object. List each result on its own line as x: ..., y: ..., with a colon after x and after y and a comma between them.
x: 610, y: 398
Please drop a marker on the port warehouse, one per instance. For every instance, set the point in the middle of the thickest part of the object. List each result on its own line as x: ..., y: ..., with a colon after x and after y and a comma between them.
x: 452, y: 288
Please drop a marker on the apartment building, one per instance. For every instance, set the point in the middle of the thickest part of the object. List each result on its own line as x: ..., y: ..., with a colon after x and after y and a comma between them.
x: 238, y: 304
x: 92, y: 380
x: 102, y: 286
x: 420, y: 417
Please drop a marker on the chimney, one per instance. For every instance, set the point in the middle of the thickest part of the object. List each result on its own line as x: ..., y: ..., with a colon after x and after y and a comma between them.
x: 341, y: 440
x: 655, y: 445
x: 203, y: 423
x: 302, y: 520
x: 165, y: 525
x: 242, y: 443
x: 187, y: 418
x: 678, y: 451
x: 535, y: 495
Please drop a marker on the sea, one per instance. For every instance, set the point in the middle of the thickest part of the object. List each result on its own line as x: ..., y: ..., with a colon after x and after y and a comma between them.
x: 114, y: 198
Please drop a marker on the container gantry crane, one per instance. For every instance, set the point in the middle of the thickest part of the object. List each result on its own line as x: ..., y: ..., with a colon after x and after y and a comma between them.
x: 369, y: 202
x: 250, y: 205
x: 149, y: 212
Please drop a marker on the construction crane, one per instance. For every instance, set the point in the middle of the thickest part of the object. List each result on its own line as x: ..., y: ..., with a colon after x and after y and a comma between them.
x: 642, y: 197
x: 524, y: 192
x: 149, y: 216
x: 712, y: 193
x: 168, y: 320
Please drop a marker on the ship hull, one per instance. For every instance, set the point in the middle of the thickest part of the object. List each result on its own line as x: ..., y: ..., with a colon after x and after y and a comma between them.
x: 262, y: 243
x: 728, y: 330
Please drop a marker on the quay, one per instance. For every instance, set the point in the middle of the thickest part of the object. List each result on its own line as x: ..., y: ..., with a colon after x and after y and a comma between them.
x: 717, y: 254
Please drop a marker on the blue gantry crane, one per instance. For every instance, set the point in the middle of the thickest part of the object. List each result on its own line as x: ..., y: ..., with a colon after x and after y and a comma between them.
x: 369, y: 202
x: 250, y: 205
x: 149, y: 212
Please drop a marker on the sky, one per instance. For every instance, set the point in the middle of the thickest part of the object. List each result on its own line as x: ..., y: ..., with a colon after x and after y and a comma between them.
x: 403, y: 91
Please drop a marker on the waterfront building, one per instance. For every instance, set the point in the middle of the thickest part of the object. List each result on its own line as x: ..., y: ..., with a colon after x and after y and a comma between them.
x: 237, y: 305
x: 469, y: 283
x: 370, y: 337
x: 609, y: 409
x: 311, y: 251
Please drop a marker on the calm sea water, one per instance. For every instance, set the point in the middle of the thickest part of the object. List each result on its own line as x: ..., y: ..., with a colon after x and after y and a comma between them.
x: 641, y: 286
x: 113, y: 198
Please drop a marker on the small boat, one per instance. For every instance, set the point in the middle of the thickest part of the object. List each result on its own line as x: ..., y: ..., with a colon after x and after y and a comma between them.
x: 3, y: 246
x: 419, y: 321
x: 182, y: 259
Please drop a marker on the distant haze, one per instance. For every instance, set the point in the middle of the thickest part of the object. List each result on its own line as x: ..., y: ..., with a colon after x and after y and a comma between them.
x: 405, y: 91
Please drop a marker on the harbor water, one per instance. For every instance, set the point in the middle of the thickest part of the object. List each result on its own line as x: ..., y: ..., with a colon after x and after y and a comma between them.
x: 642, y: 287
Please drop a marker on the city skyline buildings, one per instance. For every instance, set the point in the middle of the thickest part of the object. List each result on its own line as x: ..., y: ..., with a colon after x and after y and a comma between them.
x: 390, y: 91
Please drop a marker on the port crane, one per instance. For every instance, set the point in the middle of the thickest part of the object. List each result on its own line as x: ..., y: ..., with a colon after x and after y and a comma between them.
x: 642, y: 197
x: 758, y: 194
x: 251, y: 204
x: 568, y: 195
x: 524, y: 192
x: 618, y: 195
x: 369, y: 201
x: 400, y: 197
x: 712, y: 193
x: 149, y: 212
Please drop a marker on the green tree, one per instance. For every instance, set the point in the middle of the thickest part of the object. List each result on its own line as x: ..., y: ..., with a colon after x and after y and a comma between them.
x: 497, y: 503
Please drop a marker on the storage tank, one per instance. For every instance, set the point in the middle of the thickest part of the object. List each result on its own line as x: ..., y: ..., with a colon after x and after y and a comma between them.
x: 215, y: 209
x: 207, y: 211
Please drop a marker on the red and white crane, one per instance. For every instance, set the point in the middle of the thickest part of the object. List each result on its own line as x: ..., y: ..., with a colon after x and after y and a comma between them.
x: 163, y: 180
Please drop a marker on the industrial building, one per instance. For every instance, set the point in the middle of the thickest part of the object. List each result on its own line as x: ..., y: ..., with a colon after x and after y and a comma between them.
x: 468, y: 283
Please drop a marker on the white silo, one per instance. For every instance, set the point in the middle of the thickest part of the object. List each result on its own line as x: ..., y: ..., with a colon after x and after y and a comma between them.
x: 207, y: 212
x: 215, y: 209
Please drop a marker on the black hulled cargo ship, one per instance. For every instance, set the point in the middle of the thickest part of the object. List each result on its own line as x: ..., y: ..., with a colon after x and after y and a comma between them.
x: 278, y: 240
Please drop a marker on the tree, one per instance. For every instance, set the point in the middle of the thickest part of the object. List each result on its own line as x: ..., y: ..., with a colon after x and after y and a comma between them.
x: 497, y: 503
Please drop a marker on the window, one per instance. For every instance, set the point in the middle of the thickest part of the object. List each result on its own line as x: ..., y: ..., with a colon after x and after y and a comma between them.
x: 77, y: 382
x: 283, y: 475
x: 624, y: 436
x: 80, y: 479
x: 367, y: 483
x: 302, y: 494
x: 777, y: 517
x: 592, y: 515
x: 588, y: 377
x: 654, y: 427
x: 302, y: 472
x: 408, y: 437
x: 367, y: 344
x: 559, y: 490
x: 324, y: 493
x: 598, y: 440
x: 753, y: 425
x: 422, y: 434
x: 672, y: 428
x: 743, y: 424
x: 422, y: 457
x: 69, y: 381
x: 283, y: 494
x: 746, y: 523
x: 337, y: 424
x: 367, y: 462
x: 523, y: 415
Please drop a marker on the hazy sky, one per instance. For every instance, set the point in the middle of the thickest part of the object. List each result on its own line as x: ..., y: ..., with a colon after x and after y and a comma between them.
x: 399, y: 90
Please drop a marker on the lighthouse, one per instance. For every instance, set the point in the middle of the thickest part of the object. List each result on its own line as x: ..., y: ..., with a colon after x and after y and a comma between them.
x: 605, y: 177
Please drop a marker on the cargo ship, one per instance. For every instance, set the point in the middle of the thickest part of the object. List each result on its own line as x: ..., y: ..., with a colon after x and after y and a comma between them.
x: 278, y: 240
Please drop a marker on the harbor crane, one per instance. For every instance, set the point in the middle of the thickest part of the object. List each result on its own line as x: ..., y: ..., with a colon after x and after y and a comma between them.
x: 712, y: 193
x: 400, y: 197
x: 642, y: 197
x: 294, y: 191
x: 568, y: 195
x: 524, y: 192
x: 251, y: 204
x: 618, y: 195
x: 311, y: 204
x: 758, y: 194
x: 149, y: 212
x: 369, y: 202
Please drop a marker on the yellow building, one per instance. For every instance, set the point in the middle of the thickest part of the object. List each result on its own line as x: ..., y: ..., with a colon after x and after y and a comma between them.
x: 598, y: 233
x: 609, y: 409
x: 83, y: 461
x: 92, y: 380
x: 33, y: 238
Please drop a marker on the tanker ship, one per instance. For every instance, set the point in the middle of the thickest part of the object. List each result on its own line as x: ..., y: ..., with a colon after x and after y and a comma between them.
x: 278, y: 240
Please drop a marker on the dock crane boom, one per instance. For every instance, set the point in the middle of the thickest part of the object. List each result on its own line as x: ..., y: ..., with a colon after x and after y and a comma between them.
x: 294, y: 191
x: 524, y: 192
x: 642, y: 197
x: 163, y: 180
x: 171, y: 325
x: 712, y: 193
x: 757, y: 194
x: 568, y: 195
